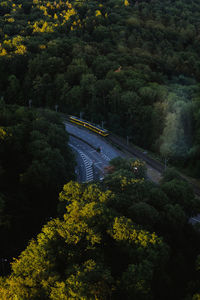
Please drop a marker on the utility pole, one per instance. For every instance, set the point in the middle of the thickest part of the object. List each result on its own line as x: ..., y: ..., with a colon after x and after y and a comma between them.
x: 127, y: 140
x: 3, y: 261
x: 29, y: 103
x: 166, y: 162
x: 81, y: 114
x: 56, y: 107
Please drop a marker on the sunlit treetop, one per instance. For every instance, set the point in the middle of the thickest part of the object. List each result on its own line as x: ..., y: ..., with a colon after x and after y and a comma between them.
x: 2, y: 133
x: 83, y: 256
x: 46, y: 17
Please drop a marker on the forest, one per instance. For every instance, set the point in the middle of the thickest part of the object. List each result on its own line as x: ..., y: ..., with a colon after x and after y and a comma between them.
x: 35, y: 163
x: 133, y: 66
x: 123, y: 238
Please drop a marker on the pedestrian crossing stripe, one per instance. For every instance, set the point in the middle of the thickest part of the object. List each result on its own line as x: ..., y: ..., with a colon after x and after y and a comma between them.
x: 87, y: 163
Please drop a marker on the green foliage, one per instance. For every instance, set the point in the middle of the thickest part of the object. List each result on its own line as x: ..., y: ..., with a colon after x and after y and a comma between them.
x: 34, y: 164
x: 111, y: 243
x: 134, y: 65
x: 170, y: 174
x: 122, y: 62
x: 66, y: 258
x: 180, y: 192
x: 136, y: 167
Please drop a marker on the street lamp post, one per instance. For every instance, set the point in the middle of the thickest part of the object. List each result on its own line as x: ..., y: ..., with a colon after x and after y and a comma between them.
x: 166, y: 159
x: 127, y: 140
x: 3, y: 261
x: 29, y: 103
x: 56, y: 107
x: 128, y: 137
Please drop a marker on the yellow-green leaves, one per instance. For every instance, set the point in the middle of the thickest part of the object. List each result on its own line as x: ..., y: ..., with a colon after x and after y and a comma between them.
x: 72, y: 189
x: 84, y: 208
x: 43, y: 26
x: 126, y: 3
x: 5, y: 293
x: 14, y: 45
x: 2, y: 133
x: 124, y: 230
x: 129, y: 181
x: 97, y: 13
x: 93, y: 252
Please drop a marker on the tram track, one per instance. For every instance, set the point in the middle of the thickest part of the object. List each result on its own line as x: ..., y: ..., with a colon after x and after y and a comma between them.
x: 120, y: 142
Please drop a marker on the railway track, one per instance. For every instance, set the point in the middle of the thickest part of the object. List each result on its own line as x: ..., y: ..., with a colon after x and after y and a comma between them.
x: 136, y: 152
x: 118, y: 141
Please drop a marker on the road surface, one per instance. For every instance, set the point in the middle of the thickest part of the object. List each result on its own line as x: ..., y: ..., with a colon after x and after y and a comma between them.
x: 91, y: 163
x: 92, y: 153
x: 107, y: 151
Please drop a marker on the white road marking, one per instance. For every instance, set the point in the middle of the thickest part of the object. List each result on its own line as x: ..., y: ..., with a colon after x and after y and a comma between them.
x: 106, y: 157
x: 87, y: 163
x: 195, y: 220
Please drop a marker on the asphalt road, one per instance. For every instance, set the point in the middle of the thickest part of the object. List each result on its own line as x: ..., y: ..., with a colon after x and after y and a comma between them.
x: 107, y: 151
x: 195, y: 219
x: 154, y: 164
x: 90, y: 162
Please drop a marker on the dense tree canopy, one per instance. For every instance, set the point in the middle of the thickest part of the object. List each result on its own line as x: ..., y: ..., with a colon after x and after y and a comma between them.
x: 135, y: 66
x: 132, y: 241
x: 35, y: 162
x: 132, y: 64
